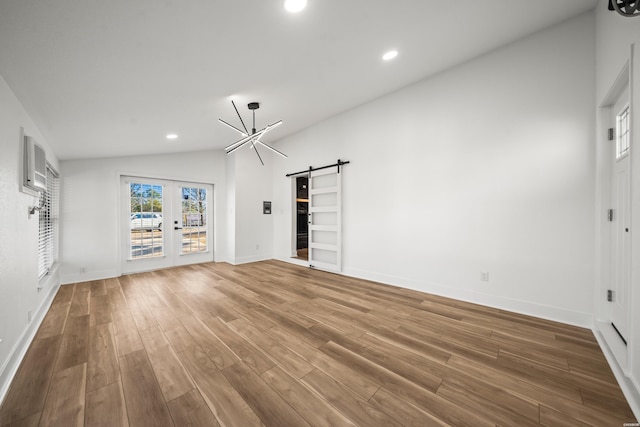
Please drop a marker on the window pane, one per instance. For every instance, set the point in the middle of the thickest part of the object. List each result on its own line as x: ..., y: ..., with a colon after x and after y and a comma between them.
x: 194, y: 220
x: 622, y: 140
x: 146, y: 235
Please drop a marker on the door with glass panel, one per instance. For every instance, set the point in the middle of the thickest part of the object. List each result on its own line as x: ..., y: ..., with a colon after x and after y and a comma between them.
x: 192, y: 223
x: 165, y: 223
x: 620, y: 216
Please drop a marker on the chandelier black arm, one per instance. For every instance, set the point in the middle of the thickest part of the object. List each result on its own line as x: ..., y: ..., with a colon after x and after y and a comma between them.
x: 272, y: 125
x: 254, y: 137
x: 240, y: 117
x: 256, y: 148
x: 234, y: 148
x: 272, y: 149
x: 259, y: 133
x: 243, y: 141
x: 234, y: 128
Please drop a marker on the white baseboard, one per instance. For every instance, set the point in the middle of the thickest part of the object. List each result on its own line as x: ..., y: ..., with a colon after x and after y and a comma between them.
x: 88, y: 276
x: 629, y: 385
x: 10, y: 367
x: 575, y: 318
x: 557, y: 314
x: 248, y: 259
x: 296, y: 261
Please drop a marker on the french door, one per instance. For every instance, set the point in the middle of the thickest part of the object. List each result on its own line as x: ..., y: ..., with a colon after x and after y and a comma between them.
x: 325, y: 219
x: 165, y: 223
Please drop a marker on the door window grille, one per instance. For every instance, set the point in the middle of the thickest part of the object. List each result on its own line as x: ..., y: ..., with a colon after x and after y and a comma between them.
x: 194, y: 220
x: 146, y: 221
x: 622, y: 140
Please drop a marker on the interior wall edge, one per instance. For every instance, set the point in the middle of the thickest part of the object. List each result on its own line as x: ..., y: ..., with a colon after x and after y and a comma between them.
x: 12, y: 363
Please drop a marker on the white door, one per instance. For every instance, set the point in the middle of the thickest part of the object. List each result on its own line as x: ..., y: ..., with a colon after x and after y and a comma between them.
x: 621, y: 217
x: 325, y: 219
x: 165, y: 223
x: 193, y: 223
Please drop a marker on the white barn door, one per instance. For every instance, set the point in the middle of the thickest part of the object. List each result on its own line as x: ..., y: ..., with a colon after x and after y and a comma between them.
x: 325, y: 219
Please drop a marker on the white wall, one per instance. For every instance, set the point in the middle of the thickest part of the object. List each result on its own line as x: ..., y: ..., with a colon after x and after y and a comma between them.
x: 19, y: 292
x: 614, y: 36
x: 90, y: 200
x: 253, y: 231
x: 486, y: 167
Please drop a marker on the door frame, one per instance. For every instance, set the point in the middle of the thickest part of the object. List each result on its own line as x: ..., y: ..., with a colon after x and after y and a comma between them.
x: 208, y: 256
x: 605, y: 158
x: 293, y: 259
x: 119, y: 216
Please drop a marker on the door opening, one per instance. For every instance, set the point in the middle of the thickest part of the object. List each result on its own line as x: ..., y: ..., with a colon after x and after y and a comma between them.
x: 321, y: 203
x: 165, y: 223
x: 302, y: 217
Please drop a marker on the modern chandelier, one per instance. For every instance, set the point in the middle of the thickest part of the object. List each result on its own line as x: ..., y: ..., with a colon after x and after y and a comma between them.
x: 625, y: 7
x: 252, y: 138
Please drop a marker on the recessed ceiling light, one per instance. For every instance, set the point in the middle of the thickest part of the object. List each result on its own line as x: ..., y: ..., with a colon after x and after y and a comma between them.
x: 390, y: 55
x: 171, y: 136
x: 295, y: 6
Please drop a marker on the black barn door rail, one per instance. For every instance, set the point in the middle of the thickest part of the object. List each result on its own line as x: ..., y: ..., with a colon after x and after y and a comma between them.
x: 311, y: 169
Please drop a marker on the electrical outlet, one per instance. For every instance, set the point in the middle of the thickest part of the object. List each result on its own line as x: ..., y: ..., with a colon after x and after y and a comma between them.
x: 484, y: 276
x: 29, y: 316
x: 83, y: 270
x: 257, y: 247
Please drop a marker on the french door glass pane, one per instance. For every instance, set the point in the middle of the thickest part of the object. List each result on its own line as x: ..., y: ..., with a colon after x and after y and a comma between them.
x: 194, y: 220
x: 146, y: 236
x: 622, y: 143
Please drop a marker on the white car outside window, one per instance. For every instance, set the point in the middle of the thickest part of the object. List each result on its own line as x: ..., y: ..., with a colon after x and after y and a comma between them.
x: 146, y: 221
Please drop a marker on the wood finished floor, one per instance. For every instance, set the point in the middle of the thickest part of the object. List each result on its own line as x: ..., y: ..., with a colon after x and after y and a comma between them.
x: 274, y: 344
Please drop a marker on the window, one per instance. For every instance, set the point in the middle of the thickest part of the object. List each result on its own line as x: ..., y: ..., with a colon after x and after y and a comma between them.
x: 622, y: 140
x: 48, y: 224
x: 146, y: 237
x: 194, y: 220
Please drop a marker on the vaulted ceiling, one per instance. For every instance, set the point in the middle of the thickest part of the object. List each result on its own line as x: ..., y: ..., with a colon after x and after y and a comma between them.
x: 113, y: 78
